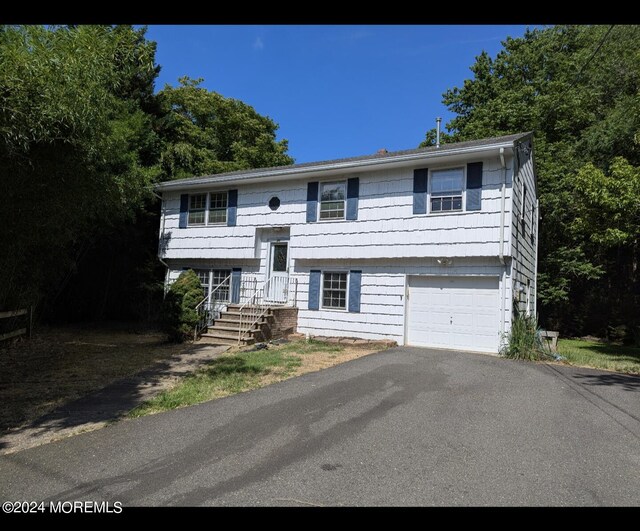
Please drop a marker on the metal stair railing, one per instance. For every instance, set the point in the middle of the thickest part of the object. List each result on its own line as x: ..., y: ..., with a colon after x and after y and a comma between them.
x: 253, y: 309
x: 209, y: 308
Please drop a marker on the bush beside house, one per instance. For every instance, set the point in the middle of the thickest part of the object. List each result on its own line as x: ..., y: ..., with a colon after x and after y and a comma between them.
x: 179, y: 315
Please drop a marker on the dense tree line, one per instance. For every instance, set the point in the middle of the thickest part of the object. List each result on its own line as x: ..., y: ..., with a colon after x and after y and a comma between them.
x: 577, y: 89
x: 83, y: 136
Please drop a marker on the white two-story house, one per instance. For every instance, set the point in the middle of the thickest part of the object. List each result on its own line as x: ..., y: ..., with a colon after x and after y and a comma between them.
x: 431, y: 247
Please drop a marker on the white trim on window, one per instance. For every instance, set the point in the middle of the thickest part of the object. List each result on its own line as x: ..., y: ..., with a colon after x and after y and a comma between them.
x: 211, y: 278
x: 197, y: 207
x: 337, y: 208
x: 346, y: 290
x: 207, y: 210
x: 219, y: 201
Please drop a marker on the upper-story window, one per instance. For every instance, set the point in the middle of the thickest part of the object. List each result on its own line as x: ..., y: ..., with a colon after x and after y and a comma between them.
x: 208, y: 209
x: 197, y: 209
x: 332, y: 199
x: 446, y: 190
x: 218, y: 207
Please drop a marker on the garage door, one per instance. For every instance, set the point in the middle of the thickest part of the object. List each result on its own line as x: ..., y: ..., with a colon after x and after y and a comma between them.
x: 454, y: 312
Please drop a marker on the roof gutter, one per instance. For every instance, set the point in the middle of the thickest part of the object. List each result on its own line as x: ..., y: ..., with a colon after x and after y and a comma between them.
x: 350, y: 165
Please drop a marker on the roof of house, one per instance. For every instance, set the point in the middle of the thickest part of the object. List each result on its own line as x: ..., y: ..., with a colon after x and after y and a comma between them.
x: 347, y: 163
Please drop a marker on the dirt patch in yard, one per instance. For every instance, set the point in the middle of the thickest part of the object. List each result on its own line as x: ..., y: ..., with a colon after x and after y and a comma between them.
x: 64, y: 363
x: 249, y: 368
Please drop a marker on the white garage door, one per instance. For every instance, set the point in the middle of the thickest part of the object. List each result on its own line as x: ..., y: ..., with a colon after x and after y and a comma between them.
x: 454, y: 312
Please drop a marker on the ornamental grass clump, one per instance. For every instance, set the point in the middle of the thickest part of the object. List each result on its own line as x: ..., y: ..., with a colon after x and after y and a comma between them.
x: 524, y: 342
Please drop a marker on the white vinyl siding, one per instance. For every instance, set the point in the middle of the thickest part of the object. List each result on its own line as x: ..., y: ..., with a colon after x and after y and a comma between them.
x: 385, y: 228
x: 383, y: 295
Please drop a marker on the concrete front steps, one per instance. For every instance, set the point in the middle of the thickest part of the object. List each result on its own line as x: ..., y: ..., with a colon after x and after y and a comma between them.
x: 225, y: 330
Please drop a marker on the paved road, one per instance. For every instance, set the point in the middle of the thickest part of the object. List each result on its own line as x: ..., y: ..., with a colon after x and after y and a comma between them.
x: 404, y: 427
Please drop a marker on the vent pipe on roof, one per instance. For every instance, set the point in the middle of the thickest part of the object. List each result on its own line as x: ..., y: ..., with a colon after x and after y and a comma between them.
x: 438, y: 120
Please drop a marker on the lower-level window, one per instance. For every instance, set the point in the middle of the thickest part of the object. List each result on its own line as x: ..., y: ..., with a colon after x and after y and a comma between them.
x: 334, y: 290
x: 212, y: 278
x: 203, y: 275
x: 219, y: 276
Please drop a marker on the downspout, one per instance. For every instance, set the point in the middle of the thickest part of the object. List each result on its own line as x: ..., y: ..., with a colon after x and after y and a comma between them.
x: 503, y: 168
x: 161, y: 226
x: 503, y: 179
x: 535, y: 264
x: 162, y: 216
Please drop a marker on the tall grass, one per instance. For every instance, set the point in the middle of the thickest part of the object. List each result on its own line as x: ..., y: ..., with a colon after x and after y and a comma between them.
x: 523, y: 342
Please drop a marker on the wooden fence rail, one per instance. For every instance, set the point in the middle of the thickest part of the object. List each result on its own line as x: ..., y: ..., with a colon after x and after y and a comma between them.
x: 28, y: 313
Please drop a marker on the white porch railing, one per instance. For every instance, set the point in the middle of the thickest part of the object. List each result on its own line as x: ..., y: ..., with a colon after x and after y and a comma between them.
x: 277, y: 290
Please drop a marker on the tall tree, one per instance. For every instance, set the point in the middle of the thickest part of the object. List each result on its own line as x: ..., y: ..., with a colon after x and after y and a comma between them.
x: 74, y: 137
x: 577, y: 88
x: 83, y: 135
x: 203, y: 132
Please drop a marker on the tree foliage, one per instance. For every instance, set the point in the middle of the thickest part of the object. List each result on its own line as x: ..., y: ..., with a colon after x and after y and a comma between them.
x: 179, y: 316
x: 577, y: 88
x: 83, y: 136
x: 71, y: 139
x: 205, y: 133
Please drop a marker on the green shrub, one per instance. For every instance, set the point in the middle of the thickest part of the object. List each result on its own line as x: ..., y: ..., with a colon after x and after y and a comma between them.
x: 523, y: 341
x: 179, y: 315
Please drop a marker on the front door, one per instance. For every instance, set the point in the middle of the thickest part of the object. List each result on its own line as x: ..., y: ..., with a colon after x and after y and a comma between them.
x: 277, y: 288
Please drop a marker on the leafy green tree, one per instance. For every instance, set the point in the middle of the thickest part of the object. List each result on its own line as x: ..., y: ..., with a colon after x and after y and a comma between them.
x: 83, y: 135
x: 577, y: 88
x: 73, y: 139
x: 179, y: 316
x: 203, y: 133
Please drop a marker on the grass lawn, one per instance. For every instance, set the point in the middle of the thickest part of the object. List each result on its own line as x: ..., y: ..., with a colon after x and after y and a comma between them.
x: 242, y: 371
x: 61, y: 364
x: 600, y: 355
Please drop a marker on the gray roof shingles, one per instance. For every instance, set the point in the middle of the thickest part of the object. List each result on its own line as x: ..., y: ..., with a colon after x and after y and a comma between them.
x: 255, y: 172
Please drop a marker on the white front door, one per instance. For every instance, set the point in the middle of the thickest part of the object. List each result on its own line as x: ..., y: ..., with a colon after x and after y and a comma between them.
x: 454, y: 313
x: 277, y: 289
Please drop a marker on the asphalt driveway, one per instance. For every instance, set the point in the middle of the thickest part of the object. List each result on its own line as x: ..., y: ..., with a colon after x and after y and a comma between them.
x: 407, y: 426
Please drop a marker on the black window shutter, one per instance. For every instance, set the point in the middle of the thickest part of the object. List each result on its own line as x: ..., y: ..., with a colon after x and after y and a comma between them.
x: 184, y: 211
x: 420, y: 179
x: 236, y: 277
x: 232, y: 208
x: 355, y: 281
x: 312, y: 201
x: 353, y: 191
x: 314, y: 289
x: 474, y: 186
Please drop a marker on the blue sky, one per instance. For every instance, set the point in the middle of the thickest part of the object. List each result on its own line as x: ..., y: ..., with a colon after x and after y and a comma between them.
x: 335, y: 91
